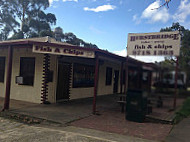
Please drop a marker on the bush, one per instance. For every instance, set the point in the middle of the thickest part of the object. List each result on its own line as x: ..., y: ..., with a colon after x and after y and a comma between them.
x: 183, y: 112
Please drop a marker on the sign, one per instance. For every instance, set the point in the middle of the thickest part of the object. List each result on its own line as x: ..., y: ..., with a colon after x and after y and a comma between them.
x: 154, y: 44
x: 63, y: 51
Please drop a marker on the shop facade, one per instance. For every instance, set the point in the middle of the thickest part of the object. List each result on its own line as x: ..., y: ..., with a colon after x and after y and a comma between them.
x: 43, y: 70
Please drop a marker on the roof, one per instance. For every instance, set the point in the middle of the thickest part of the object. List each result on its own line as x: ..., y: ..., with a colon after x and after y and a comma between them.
x: 48, y: 41
x: 38, y: 39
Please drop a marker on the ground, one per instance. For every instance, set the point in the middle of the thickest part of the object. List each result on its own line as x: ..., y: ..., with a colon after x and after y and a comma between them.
x: 75, y: 119
x: 12, y: 131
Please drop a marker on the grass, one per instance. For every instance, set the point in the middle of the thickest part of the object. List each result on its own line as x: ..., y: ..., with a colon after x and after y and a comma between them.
x: 183, y: 112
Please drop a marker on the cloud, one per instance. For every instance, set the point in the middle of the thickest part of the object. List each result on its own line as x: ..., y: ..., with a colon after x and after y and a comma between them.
x: 136, y: 19
x: 100, y: 8
x: 183, y: 11
x: 129, y: 10
x: 121, y: 52
x: 70, y: 0
x: 156, y: 15
x: 51, y: 1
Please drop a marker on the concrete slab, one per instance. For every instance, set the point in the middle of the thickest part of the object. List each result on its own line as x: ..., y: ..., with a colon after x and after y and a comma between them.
x: 180, y: 132
x: 12, y: 131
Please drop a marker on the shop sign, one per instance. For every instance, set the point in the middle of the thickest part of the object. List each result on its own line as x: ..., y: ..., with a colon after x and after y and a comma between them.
x: 63, y: 51
x: 154, y: 44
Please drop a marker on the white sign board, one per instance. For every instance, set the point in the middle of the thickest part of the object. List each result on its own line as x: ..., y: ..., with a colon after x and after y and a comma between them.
x: 154, y: 44
x: 63, y: 51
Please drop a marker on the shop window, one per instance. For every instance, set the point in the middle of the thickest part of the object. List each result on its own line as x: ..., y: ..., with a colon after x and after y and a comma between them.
x: 83, y: 75
x: 27, y: 70
x: 2, y: 69
x: 108, y: 76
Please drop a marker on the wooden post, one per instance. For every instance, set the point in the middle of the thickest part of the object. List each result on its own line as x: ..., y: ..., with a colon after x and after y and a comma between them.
x: 95, y: 83
x: 176, y: 78
x: 8, y: 79
x: 126, y: 75
x: 121, y: 78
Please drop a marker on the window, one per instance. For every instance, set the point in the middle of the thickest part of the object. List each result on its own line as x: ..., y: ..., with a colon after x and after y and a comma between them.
x: 2, y: 69
x: 108, y: 76
x: 27, y: 68
x: 83, y: 75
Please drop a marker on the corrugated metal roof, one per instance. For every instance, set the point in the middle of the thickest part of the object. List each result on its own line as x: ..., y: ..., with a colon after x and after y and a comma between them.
x: 38, y: 39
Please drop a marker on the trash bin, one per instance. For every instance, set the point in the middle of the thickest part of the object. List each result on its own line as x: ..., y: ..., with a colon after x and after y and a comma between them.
x: 136, y: 105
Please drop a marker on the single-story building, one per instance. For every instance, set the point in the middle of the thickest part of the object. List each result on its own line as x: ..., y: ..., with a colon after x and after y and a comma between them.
x: 41, y: 70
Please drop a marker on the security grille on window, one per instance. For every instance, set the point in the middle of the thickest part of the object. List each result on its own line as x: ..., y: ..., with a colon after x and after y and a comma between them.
x: 83, y: 75
x: 27, y: 69
x: 2, y: 69
x: 108, y: 76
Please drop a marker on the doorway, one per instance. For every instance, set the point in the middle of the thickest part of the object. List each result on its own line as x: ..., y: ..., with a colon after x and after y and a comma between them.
x: 116, y: 81
x: 63, y: 81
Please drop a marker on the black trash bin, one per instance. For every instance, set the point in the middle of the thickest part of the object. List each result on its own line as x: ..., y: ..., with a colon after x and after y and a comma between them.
x: 136, y: 105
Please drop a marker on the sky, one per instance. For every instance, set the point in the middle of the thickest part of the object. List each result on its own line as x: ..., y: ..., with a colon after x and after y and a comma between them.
x: 107, y: 23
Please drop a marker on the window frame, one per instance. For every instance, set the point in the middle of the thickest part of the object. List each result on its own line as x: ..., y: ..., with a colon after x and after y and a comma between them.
x: 87, y: 79
x: 2, y: 70
x: 30, y: 74
x: 109, y: 75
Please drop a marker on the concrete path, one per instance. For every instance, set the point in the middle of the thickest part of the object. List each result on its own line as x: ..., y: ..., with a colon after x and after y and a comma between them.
x: 11, y: 131
x: 180, y: 132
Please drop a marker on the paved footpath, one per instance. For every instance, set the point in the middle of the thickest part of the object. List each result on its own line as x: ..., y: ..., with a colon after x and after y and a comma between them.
x: 11, y: 131
x: 180, y: 132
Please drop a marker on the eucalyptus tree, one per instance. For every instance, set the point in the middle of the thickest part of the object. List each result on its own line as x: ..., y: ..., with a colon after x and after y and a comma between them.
x: 184, y: 58
x: 29, y: 17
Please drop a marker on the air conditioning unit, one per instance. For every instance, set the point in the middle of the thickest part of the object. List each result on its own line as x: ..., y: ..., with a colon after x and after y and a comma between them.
x: 19, y: 80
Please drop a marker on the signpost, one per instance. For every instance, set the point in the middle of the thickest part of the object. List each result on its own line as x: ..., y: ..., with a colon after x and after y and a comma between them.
x: 156, y: 44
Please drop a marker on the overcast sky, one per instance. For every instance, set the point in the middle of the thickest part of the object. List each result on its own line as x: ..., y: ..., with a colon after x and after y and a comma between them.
x: 107, y: 23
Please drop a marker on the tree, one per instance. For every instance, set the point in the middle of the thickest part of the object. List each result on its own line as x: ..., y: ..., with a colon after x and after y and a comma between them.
x: 71, y: 38
x: 184, y: 58
x: 28, y: 17
x: 166, y: 3
x: 7, y: 20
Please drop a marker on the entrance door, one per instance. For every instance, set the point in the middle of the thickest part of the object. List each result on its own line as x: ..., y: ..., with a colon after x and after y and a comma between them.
x: 63, y: 81
x: 116, y: 80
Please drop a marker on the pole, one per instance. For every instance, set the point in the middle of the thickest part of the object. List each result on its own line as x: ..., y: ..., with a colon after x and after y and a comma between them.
x: 176, y: 78
x: 126, y: 75
x: 121, y: 79
x: 8, y: 79
x: 95, y: 84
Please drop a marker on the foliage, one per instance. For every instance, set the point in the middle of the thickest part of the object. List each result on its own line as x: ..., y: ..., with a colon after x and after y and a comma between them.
x: 183, y: 112
x: 184, y: 58
x: 24, y: 18
x: 71, y: 38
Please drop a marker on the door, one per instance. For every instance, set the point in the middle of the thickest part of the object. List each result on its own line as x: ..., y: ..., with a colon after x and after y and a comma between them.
x: 116, y: 81
x: 63, y: 81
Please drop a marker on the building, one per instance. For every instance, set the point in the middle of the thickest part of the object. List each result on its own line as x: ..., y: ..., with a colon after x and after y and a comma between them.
x: 42, y: 70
